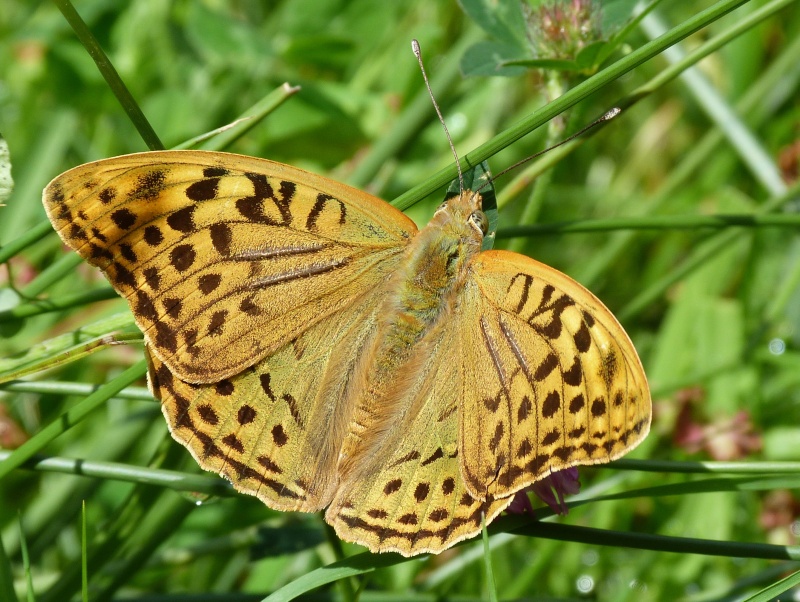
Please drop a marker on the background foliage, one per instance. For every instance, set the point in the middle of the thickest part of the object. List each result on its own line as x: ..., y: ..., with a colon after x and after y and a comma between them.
x: 713, y: 308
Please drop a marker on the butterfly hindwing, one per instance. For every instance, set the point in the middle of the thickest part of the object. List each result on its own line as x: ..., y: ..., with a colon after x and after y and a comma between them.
x: 210, y: 248
x: 551, y: 371
x: 272, y: 430
x: 408, y: 495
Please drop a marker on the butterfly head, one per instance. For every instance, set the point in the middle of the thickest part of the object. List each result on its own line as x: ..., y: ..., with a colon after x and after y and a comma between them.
x: 462, y: 218
x: 442, y: 250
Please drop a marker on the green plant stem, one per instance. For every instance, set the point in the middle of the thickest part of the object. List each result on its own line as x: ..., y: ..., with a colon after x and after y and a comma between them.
x: 143, y: 475
x: 660, y: 543
x: 656, y: 222
x: 84, y: 556
x: 62, y: 267
x: 364, y: 563
x: 69, y: 355
x: 225, y: 136
x: 35, y: 234
x: 491, y: 586
x: 697, y: 486
x: 110, y: 74
x: 69, y: 418
x: 64, y: 302
x: 662, y: 466
x: 61, y: 387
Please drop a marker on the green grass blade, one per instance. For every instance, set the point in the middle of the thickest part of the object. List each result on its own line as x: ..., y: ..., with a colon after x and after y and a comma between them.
x: 741, y: 138
x: 360, y: 564
x: 26, y: 563
x: 491, y: 587
x: 84, y: 556
x: 6, y: 576
x: 143, y: 475
x: 110, y: 74
x: 776, y: 589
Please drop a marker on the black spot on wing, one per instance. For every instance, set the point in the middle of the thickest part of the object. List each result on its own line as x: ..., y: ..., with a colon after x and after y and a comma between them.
x: 203, y: 190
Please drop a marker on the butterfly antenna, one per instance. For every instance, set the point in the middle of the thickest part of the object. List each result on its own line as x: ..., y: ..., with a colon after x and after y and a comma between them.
x: 417, y: 53
x: 607, y: 116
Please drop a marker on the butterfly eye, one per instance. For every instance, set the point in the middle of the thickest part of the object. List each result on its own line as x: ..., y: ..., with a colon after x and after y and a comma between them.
x: 479, y: 219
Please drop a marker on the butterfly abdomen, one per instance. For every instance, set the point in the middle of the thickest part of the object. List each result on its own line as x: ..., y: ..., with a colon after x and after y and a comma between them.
x: 419, y: 299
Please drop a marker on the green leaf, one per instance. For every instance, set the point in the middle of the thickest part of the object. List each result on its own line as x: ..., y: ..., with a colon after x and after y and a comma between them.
x: 587, y: 58
x: 490, y: 58
x: 501, y: 19
x: 616, y: 13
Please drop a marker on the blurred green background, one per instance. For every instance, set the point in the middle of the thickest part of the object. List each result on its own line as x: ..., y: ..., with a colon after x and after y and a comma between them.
x: 713, y: 309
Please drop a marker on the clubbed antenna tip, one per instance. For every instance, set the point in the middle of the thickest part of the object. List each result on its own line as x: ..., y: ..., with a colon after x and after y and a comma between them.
x: 418, y: 53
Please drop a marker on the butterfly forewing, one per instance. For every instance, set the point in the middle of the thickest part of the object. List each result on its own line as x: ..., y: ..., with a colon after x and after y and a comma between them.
x: 551, y: 372
x: 271, y: 429
x: 224, y: 258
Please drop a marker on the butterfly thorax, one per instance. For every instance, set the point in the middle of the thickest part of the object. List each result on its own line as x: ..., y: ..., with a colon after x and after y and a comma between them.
x: 420, y: 298
x: 425, y: 288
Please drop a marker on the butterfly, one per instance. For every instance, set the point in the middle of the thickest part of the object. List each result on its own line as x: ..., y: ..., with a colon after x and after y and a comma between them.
x: 310, y: 344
